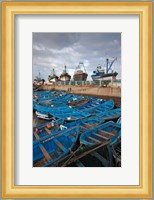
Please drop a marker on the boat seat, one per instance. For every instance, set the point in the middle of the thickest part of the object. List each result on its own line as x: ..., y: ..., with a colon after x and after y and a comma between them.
x: 48, y: 131
x: 59, y: 144
x: 101, y: 136
x: 94, y: 140
x: 107, y: 133
x: 45, y: 153
x: 87, y: 125
x: 36, y: 136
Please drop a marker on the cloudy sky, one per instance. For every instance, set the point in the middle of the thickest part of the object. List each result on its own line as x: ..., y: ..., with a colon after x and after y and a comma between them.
x: 55, y: 50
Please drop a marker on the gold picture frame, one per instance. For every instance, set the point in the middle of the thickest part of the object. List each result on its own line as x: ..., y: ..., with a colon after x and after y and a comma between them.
x: 9, y: 10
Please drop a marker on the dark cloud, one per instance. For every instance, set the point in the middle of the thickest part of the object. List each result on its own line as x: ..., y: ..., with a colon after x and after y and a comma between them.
x: 54, y: 50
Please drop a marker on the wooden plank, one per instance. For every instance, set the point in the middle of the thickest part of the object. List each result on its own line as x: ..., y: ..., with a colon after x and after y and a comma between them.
x: 48, y: 131
x: 88, y: 126
x: 36, y: 135
x: 60, y: 145
x: 101, y: 136
x: 108, y: 133
x: 61, y: 133
x: 45, y: 153
x: 95, y: 140
x: 84, y: 123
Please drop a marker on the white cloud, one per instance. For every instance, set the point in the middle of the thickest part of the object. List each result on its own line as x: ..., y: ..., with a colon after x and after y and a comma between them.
x: 55, y: 50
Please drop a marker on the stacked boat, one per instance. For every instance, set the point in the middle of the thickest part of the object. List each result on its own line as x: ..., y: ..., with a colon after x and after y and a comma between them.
x: 51, y: 148
x: 72, y: 123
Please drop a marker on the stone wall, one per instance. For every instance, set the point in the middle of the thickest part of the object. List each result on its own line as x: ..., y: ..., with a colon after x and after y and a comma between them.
x: 87, y: 90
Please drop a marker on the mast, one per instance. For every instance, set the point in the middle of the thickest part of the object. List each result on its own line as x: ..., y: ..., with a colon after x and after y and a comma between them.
x: 107, y: 62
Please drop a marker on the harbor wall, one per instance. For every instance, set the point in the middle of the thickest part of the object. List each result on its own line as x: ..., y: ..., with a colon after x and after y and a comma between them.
x: 108, y: 92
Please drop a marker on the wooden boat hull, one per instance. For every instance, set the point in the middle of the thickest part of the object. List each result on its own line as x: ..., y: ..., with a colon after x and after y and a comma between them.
x: 80, y: 77
x: 65, y: 78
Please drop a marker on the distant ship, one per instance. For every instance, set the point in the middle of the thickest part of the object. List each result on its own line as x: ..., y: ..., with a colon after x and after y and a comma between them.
x: 65, y: 76
x: 53, y: 77
x: 38, y: 80
x: 79, y: 74
x: 102, y: 74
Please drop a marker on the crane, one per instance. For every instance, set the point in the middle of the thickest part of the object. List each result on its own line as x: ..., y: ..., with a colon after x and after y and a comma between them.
x: 109, y: 64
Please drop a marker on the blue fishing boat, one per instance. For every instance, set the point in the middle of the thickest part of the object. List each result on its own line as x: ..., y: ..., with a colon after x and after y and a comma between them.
x: 51, y: 95
x: 92, y: 103
x: 48, y: 128
x: 90, y: 122
x: 63, y: 112
x: 72, y: 116
x: 50, y: 109
x: 76, y: 102
x: 100, y: 134
x: 51, y: 148
x: 48, y: 113
x: 109, y: 115
x: 58, y: 102
x: 41, y: 93
x: 102, y: 74
x: 105, y: 106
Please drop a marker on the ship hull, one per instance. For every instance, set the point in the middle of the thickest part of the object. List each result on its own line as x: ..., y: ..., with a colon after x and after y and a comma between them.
x: 53, y: 80
x: 38, y: 83
x: 102, y: 77
x: 80, y: 77
x: 65, y: 78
